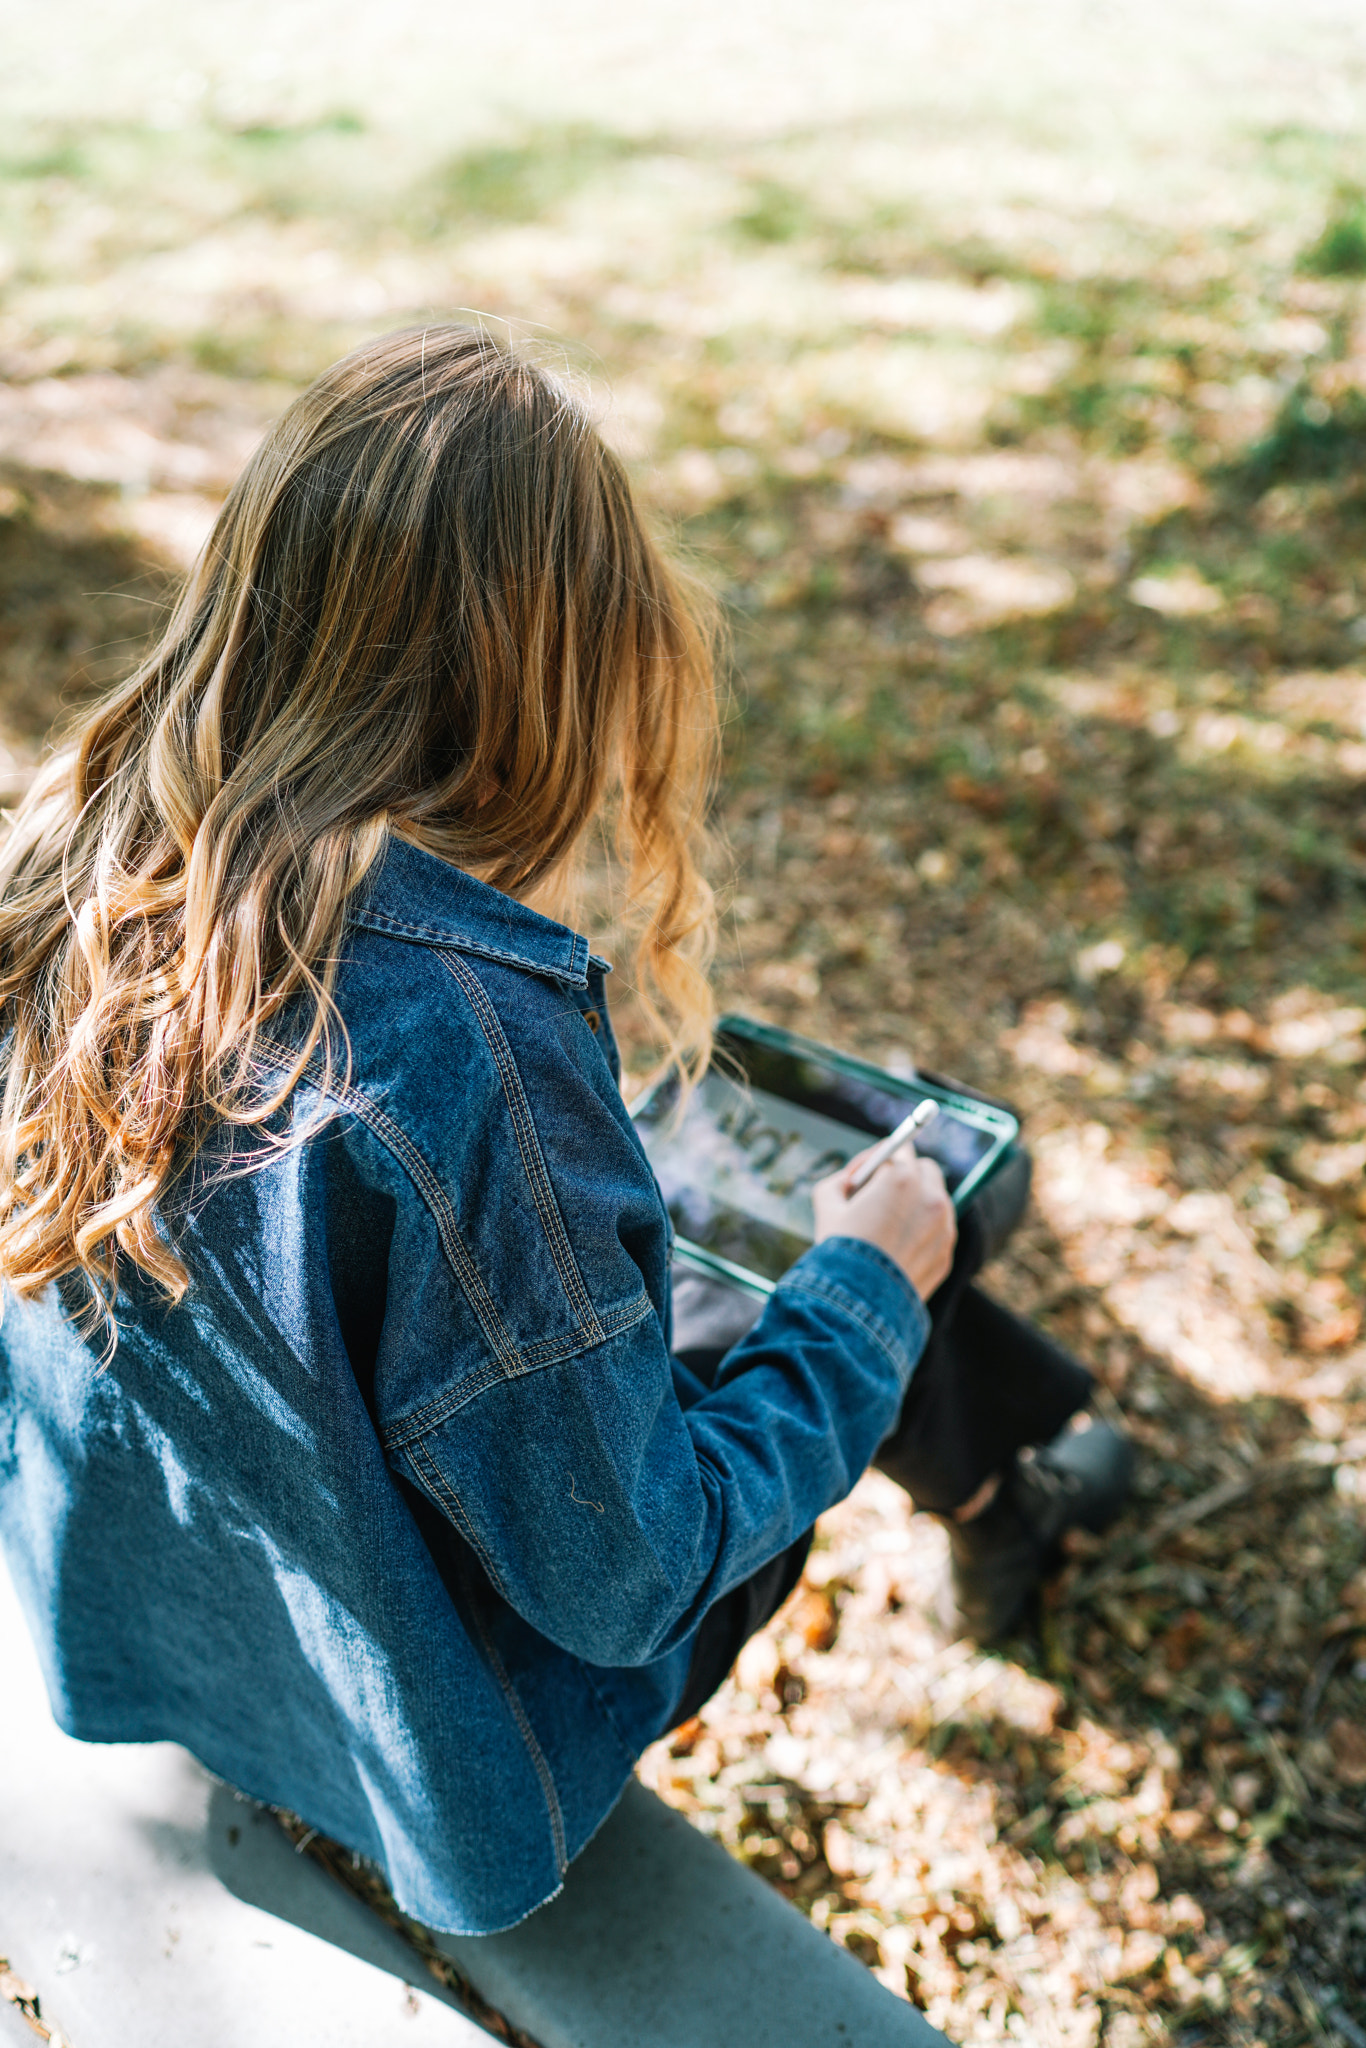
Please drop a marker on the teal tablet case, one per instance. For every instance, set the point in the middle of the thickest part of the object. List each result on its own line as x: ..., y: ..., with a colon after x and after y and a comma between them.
x: 993, y: 1119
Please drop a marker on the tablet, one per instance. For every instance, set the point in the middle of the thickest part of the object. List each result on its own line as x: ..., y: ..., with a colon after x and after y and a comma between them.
x: 773, y: 1114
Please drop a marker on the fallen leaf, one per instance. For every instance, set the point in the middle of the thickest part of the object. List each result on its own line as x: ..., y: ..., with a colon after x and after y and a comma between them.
x: 988, y: 799
x: 1179, y: 1643
x: 1347, y: 1740
x: 814, y: 1616
x: 1331, y: 1332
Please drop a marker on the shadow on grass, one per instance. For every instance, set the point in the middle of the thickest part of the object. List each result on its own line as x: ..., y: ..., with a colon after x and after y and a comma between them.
x: 1205, y: 1639
x: 511, y: 183
x: 79, y: 601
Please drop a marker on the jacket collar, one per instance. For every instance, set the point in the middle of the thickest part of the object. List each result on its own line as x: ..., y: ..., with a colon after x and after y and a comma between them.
x: 413, y: 896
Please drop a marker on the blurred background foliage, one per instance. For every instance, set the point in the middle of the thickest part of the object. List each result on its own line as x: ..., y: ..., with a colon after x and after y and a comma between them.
x: 1006, y: 375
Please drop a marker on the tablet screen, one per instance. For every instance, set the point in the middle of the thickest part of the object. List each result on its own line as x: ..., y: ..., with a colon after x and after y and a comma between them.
x: 736, y: 1172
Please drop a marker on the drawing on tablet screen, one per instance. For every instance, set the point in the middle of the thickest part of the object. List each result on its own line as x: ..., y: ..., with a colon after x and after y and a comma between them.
x: 736, y: 1171
x: 736, y: 1174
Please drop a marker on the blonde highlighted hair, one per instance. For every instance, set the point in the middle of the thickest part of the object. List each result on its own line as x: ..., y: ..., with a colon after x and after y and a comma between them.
x: 430, y: 607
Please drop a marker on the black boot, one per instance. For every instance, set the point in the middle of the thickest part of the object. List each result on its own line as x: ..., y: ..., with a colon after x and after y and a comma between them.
x: 1079, y: 1481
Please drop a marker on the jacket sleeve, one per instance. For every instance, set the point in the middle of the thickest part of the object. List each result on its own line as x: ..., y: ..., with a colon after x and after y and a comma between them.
x: 608, y: 1516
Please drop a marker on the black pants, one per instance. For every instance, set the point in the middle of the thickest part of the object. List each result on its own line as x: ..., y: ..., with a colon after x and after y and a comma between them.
x: 987, y: 1384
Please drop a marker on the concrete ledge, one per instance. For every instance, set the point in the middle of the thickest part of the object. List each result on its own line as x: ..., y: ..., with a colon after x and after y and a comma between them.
x: 661, y: 1938
x: 150, y: 1906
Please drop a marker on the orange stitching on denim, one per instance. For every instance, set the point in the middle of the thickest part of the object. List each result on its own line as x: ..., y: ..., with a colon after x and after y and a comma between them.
x: 528, y: 1144
x: 396, y: 1141
x: 535, y: 1358
x: 528, y: 1734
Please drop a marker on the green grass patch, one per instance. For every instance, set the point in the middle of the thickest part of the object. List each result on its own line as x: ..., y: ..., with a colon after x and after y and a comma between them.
x: 1340, y: 250
x: 61, y: 160
x: 343, y: 122
x: 776, y: 213
x: 1311, y: 439
x: 522, y: 181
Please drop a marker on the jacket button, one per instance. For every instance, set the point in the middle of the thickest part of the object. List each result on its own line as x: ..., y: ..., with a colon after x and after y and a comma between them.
x: 592, y: 1019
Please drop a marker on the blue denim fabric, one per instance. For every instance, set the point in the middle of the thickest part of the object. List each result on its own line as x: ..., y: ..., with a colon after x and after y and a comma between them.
x: 403, y: 1518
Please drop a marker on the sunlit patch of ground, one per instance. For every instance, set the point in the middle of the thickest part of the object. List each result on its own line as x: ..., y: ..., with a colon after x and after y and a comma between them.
x: 1008, y: 378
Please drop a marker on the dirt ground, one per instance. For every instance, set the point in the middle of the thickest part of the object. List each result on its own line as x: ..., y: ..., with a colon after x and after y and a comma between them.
x: 1012, y: 392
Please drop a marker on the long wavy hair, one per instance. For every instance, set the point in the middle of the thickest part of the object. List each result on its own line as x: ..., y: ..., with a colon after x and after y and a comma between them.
x: 428, y: 607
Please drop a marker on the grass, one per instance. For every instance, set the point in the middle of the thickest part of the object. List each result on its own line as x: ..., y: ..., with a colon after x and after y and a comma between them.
x: 888, y: 379
x: 1311, y: 438
x: 1340, y: 251
x: 522, y: 181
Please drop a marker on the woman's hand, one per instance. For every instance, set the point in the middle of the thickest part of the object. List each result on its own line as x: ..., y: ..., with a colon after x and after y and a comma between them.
x: 904, y: 1210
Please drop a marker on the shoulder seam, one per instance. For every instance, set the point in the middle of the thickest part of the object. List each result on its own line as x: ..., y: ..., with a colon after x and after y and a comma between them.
x: 528, y: 1144
x: 535, y: 1358
x: 398, y: 1144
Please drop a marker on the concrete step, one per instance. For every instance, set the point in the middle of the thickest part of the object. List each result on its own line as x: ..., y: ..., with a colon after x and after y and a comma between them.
x: 660, y: 1937
x: 151, y: 1906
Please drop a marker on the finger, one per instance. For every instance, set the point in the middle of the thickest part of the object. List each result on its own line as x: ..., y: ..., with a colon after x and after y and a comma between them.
x: 931, y: 1176
x: 845, y: 1174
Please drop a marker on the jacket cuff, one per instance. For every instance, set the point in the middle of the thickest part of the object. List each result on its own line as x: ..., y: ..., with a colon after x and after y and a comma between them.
x: 856, y: 1278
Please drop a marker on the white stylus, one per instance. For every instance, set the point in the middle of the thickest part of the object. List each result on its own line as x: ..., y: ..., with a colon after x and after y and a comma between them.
x: 922, y: 1114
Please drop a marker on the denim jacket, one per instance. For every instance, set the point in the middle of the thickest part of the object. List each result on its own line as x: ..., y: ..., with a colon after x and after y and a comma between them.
x: 405, y: 1518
